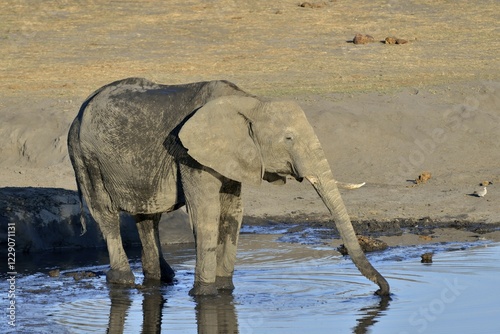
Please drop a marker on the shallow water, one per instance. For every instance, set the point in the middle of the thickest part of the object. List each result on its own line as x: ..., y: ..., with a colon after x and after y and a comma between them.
x: 281, y: 287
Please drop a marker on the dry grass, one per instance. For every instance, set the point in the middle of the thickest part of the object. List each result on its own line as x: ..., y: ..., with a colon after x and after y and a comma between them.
x: 69, y: 48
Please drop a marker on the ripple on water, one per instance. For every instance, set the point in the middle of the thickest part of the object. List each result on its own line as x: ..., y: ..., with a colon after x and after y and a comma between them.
x: 83, y: 316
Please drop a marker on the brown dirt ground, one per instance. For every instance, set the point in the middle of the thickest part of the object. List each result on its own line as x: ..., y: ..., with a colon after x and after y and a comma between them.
x: 384, y: 113
x: 67, y: 49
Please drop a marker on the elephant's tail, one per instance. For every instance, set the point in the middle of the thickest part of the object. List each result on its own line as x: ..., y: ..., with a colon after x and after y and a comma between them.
x: 83, y: 222
x: 82, y: 178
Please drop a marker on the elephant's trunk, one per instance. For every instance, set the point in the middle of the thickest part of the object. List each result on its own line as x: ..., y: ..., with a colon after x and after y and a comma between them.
x: 327, y: 189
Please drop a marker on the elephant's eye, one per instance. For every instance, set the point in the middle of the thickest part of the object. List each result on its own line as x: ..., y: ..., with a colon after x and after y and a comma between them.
x: 289, y: 136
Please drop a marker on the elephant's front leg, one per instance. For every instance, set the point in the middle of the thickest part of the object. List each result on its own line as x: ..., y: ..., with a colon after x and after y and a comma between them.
x: 229, y: 230
x: 154, y: 266
x: 201, y: 191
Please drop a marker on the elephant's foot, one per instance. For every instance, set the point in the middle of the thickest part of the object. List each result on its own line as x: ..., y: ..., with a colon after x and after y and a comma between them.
x: 167, y: 273
x: 122, y: 277
x: 203, y: 289
x: 224, y: 283
x: 153, y: 274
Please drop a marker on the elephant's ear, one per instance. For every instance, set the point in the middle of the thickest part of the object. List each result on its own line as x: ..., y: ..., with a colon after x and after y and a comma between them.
x: 219, y: 135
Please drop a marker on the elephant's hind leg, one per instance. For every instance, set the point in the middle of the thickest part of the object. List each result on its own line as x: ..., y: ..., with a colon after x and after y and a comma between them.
x: 154, y: 266
x: 229, y: 230
x: 109, y: 223
x: 107, y: 217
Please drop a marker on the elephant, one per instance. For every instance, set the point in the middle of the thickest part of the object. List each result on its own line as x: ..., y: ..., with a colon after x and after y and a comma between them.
x: 145, y: 149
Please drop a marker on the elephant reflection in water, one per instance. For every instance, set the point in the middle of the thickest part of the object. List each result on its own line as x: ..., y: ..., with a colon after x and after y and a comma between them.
x: 213, y: 314
x: 216, y: 315
x: 152, y: 306
x: 120, y: 305
x: 370, y: 316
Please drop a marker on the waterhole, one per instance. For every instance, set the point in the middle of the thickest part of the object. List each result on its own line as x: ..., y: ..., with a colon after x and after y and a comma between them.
x: 281, y: 287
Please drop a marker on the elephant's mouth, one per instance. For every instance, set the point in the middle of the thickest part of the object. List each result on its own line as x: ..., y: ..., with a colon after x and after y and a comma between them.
x: 300, y: 179
x: 279, y: 176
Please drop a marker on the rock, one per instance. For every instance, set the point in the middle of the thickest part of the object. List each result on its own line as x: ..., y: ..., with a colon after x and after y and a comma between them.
x: 395, y: 40
x: 485, y: 183
x: 425, y: 237
x: 390, y: 40
x: 82, y: 274
x: 423, y: 177
x: 368, y: 244
x: 426, y: 258
x: 54, y: 273
x: 363, y: 39
x: 312, y: 4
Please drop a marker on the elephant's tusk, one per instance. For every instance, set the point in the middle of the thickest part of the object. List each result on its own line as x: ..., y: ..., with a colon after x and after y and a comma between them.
x: 349, y: 185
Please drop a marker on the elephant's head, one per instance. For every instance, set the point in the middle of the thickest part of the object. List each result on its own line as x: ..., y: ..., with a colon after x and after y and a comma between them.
x: 248, y: 140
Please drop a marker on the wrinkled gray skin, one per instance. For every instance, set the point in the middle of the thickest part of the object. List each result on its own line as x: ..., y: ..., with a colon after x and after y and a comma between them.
x: 146, y: 148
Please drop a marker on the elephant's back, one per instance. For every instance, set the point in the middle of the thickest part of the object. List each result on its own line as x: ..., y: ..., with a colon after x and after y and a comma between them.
x: 137, y: 107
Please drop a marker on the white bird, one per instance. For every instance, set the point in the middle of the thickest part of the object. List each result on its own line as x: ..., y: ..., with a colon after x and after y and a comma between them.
x: 481, y: 193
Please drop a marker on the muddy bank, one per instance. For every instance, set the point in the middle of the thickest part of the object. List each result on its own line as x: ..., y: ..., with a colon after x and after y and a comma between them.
x: 398, y: 232
x: 49, y: 219
x: 394, y: 227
